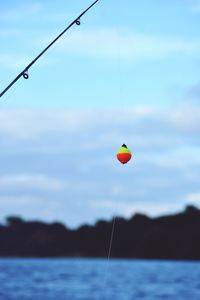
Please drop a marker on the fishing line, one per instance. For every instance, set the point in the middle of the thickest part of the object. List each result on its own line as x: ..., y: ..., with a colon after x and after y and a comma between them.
x: 106, y: 272
x: 114, y: 218
x: 111, y: 237
x: 119, y: 124
x: 24, y: 73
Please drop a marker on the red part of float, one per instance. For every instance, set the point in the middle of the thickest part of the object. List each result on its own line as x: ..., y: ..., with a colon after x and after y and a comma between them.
x: 124, y: 157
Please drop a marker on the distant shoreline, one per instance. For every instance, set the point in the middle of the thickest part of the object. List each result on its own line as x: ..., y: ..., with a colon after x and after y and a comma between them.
x: 167, y: 238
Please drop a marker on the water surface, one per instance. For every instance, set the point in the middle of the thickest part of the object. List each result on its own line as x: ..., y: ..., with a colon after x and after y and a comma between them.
x: 78, y: 279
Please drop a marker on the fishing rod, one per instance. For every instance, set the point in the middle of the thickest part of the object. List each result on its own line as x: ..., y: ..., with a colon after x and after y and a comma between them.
x: 24, y: 73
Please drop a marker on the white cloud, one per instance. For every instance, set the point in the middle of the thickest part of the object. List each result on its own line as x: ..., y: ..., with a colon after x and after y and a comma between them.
x: 178, y: 123
x: 28, y: 124
x: 186, y: 117
x: 33, y: 181
x: 127, y: 209
x: 118, y: 43
x: 193, y: 198
x: 19, y: 201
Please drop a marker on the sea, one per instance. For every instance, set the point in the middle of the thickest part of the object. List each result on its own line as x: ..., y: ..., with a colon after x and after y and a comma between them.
x: 98, y: 279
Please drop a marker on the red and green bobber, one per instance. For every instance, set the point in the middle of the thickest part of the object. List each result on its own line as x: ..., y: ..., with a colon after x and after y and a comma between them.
x: 124, y: 154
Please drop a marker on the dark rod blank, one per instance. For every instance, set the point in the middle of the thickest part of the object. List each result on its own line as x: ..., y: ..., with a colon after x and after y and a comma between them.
x: 24, y: 73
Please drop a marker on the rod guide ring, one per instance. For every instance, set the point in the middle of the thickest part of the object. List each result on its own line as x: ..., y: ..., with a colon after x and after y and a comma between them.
x: 25, y: 75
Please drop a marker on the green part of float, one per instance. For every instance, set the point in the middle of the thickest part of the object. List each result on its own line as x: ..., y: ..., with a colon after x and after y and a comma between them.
x: 124, y: 150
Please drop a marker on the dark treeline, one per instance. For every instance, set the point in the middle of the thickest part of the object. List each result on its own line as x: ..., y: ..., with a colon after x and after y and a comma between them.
x: 167, y: 237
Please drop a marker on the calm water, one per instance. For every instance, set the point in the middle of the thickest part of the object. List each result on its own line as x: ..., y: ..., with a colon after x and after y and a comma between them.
x: 76, y: 279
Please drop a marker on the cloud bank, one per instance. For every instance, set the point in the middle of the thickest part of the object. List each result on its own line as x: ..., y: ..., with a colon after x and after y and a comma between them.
x: 65, y: 160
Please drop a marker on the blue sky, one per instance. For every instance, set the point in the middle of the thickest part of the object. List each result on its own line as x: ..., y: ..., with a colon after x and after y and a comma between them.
x: 129, y: 74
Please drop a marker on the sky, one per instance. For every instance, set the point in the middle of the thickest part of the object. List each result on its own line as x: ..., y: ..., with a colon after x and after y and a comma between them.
x: 129, y: 74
